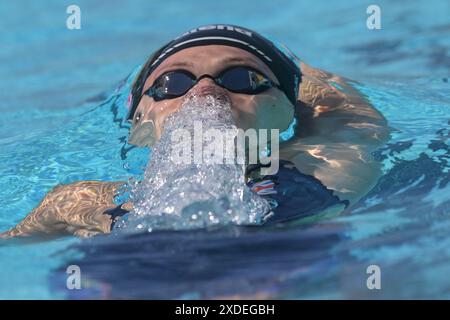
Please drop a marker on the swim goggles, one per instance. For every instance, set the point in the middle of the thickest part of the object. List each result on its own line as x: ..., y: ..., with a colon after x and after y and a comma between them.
x: 237, y: 79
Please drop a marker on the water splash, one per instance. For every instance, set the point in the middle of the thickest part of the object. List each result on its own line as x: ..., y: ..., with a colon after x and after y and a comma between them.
x: 176, y: 195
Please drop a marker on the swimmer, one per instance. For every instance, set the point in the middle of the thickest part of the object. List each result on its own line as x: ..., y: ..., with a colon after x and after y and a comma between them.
x: 335, y: 133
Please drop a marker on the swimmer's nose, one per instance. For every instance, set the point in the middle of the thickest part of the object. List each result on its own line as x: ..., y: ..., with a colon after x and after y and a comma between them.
x: 207, y: 86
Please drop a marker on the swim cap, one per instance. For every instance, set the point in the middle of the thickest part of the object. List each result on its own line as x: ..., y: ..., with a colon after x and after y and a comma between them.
x: 286, y: 70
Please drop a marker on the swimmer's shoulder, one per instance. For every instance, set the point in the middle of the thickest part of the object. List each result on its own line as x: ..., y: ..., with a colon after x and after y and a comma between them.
x: 328, y: 93
x: 332, y: 107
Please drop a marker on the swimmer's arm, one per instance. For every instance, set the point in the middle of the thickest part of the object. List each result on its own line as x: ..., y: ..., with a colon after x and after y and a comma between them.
x: 339, y: 108
x: 77, y: 208
x: 343, y: 130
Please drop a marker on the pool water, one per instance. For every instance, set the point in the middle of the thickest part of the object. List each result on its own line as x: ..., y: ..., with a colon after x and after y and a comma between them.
x: 62, y: 100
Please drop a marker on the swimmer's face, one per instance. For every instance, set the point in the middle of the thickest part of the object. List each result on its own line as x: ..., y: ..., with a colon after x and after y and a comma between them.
x: 267, y: 110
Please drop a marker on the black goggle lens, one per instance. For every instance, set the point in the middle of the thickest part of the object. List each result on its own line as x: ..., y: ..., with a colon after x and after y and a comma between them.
x: 244, y: 80
x: 171, y: 85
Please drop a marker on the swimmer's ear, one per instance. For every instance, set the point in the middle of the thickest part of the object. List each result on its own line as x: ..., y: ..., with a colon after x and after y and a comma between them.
x: 143, y: 134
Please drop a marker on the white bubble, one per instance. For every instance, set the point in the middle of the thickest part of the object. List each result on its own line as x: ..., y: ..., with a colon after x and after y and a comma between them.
x: 174, y: 194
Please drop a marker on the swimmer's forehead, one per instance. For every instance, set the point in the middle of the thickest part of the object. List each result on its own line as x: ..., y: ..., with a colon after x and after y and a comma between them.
x: 210, y: 59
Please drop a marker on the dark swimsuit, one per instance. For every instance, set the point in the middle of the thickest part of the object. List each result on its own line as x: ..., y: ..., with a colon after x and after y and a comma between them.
x: 296, y: 195
x: 292, y: 194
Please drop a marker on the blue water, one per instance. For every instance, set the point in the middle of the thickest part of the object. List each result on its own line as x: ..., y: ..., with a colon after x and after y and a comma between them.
x: 62, y: 100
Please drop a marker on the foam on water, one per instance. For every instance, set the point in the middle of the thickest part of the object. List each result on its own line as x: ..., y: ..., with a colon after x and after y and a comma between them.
x: 176, y: 195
